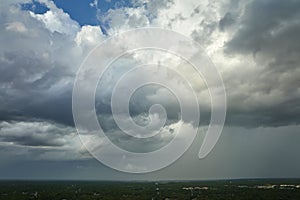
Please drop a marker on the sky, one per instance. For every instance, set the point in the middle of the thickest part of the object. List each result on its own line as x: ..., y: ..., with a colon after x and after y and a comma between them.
x: 254, y: 44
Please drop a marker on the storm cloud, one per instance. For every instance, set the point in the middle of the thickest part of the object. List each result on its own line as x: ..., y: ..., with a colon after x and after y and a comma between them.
x: 254, y: 44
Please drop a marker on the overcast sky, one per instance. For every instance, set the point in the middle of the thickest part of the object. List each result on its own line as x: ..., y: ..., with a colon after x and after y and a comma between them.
x: 255, y: 45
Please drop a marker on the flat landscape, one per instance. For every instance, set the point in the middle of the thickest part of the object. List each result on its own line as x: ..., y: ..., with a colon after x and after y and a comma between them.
x: 209, y: 190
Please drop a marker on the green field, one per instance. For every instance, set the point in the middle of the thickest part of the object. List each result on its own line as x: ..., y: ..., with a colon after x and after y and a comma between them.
x: 210, y: 190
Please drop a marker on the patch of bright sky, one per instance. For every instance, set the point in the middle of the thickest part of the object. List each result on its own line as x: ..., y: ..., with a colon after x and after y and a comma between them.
x: 85, y: 12
x: 35, y: 7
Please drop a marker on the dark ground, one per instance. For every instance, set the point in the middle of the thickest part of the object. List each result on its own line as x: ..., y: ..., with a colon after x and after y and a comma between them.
x: 230, y: 189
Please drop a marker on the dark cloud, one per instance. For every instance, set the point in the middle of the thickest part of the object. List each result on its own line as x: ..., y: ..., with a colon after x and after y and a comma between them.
x: 37, y: 73
x: 266, y: 24
x: 117, y: 136
x: 226, y: 21
x: 259, y: 153
x: 38, y: 63
x: 37, y: 69
x: 266, y: 92
x: 27, y: 83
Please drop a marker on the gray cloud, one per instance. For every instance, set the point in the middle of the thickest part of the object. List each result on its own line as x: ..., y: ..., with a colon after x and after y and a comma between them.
x: 258, y: 60
x: 226, y: 21
x: 37, y: 71
x: 256, y: 153
x: 266, y: 24
x: 37, y: 141
x: 44, y: 66
x: 35, y: 134
x: 268, y: 30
